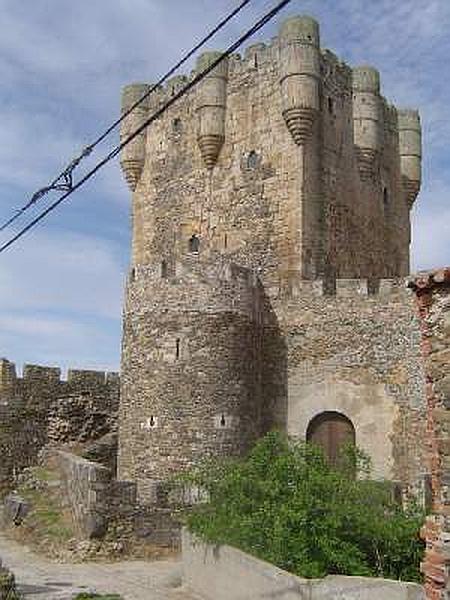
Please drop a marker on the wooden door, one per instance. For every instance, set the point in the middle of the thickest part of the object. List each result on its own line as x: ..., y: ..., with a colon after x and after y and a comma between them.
x: 331, y: 431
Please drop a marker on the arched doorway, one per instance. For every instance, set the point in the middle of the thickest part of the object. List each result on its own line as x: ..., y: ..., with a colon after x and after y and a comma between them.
x: 331, y: 431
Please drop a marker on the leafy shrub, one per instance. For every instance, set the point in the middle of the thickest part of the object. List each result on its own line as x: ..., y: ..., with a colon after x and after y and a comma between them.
x: 285, y: 504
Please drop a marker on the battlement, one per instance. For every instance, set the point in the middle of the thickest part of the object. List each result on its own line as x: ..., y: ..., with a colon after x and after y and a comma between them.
x: 52, y: 376
x: 193, y: 285
x: 352, y: 288
x: 192, y: 268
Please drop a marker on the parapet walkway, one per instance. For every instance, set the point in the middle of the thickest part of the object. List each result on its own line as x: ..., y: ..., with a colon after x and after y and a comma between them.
x: 40, y: 579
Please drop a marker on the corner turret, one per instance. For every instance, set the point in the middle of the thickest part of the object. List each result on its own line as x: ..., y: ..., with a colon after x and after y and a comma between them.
x: 132, y: 157
x: 410, y: 146
x: 211, y: 107
x: 367, y: 118
x: 300, y: 75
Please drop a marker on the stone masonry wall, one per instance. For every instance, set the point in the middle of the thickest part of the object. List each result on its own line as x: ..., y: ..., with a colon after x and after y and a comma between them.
x: 432, y: 290
x: 325, y: 205
x: 39, y: 409
x: 356, y: 350
x: 191, y: 383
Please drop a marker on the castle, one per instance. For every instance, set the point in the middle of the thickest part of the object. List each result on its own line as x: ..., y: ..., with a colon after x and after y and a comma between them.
x: 271, y: 232
x: 267, y: 289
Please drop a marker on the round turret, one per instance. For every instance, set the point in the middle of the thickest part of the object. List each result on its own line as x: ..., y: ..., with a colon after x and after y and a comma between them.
x: 132, y: 157
x: 211, y: 107
x: 300, y: 75
x: 367, y: 118
x: 187, y: 394
x: 410, y: 146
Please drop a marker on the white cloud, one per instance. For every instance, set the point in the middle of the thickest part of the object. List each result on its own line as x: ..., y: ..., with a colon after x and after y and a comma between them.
x: 62, y: 272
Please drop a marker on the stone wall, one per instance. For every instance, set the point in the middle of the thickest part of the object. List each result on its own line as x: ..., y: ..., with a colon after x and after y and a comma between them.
x: 355, y: 350
x: 432, y: 290
x: 40, y: 409
x: 285, y: 159
x: 192, y: 376
x: 105, y: 508
x: 254, y: 198
x: 249, y: 363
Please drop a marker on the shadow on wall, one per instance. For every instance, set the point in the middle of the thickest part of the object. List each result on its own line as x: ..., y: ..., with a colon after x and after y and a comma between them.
x: 274, y: 373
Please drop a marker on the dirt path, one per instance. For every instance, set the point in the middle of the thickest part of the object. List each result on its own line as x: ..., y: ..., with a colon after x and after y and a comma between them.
x: 40, y: 579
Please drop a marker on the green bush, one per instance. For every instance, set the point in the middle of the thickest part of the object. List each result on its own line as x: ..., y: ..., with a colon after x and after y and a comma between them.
x: 285, y: 504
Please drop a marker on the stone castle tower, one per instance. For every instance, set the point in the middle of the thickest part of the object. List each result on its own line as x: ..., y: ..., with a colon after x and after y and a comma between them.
x: 282, y: 177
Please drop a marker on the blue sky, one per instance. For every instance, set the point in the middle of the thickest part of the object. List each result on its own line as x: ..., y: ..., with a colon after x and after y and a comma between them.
x: 62, y: 64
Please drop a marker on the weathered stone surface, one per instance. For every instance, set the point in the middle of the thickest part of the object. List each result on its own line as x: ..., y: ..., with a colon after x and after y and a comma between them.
x: 270, y: 224
x: 15, y: 509
x: 433, y: 299
x: 39, y: 409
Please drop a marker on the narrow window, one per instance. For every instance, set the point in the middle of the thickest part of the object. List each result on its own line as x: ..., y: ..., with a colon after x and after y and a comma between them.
x: 177, y: 349
x: 177, y: 125
x: 152, y: 421
x: 164, y: 269
x: 256, y: 61
x: 222, y: 421
x: 132, y: 274
x: 252, y: 160
x: 330, y: 105
x: 225, y: 241
x: 385, y: 197
x: 194, y: 243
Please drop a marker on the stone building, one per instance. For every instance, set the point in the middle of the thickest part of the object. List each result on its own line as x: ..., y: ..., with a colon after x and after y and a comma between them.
x: 271, y: 232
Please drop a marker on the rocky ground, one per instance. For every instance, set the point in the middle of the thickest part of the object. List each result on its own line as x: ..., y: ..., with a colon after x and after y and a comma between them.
x: 39, y: 578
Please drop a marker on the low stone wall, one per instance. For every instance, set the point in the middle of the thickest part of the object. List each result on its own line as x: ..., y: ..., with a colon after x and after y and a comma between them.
x: 224, y: 573
x: 87, y: 486
x: 100, y: 504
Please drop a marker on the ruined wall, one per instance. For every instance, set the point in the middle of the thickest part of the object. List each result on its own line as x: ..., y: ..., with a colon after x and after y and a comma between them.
x: 40, y: 409
x: 432, y: 290
x: 285, y: 159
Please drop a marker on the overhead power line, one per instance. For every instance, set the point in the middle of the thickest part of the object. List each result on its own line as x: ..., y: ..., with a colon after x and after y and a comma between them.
x: 64, y: 181
x: 230, y: 50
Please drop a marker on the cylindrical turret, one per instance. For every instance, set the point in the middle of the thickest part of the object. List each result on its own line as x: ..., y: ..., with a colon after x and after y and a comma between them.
x: 367, y: 118
x: 132, y: 157
x: 300, y: 75
x: 211, y: 107
x: 410, y: 146
x: 186, y: 393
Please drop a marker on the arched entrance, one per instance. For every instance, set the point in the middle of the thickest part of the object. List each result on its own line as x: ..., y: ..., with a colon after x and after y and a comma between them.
x: 331, y: 431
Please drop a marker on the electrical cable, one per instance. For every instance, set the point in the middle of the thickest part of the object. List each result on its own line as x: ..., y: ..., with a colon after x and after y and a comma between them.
x: 250, y: 32
x: 64, y: 181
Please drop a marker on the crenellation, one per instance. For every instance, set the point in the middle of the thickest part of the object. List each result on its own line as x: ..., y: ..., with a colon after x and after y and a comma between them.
x: 175, y: 84
x: 40, y: 409
x: 41, y: 375
x: 8, y: 376
x: 86, y: 378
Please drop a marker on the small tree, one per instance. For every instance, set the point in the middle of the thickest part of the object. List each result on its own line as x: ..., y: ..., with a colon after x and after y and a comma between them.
x: 285, y: 504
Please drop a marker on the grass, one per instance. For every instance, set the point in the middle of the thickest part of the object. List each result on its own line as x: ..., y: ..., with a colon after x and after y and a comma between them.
x: 46, y: 517
x: 48, y: 523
